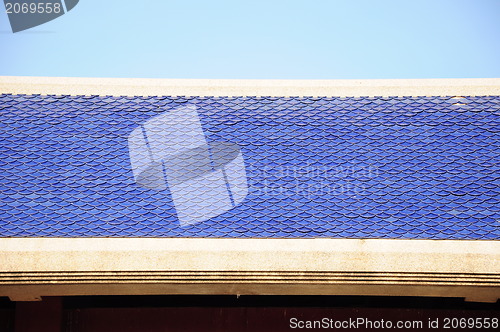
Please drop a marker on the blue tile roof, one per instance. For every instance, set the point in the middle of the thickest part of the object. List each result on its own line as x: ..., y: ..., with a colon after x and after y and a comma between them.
x: 381, y: 167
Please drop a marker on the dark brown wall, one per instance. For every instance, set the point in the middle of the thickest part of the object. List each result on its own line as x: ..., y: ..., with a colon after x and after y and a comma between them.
x: 228, y: 313
x: 248, y: 319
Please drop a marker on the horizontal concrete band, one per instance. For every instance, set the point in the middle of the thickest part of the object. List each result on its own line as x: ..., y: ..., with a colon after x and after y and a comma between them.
x: 176, y: 254
x: 187, y: 87
x: 35, y: 267
x: 262, y: 277
x: 35, y: 292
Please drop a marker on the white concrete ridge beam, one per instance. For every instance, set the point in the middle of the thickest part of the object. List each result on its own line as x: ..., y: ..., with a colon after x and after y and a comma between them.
x: 219, y: 87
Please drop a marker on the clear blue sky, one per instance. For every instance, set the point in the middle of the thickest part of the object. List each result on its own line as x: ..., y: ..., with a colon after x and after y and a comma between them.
x: 260, y: 39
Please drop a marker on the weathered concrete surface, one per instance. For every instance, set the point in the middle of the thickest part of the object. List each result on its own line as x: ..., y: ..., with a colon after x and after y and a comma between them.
x: 187, y: 87
x: 34, y: 267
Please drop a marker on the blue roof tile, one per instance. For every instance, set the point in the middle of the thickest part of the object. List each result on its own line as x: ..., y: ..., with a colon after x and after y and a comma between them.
x: 364, y: 167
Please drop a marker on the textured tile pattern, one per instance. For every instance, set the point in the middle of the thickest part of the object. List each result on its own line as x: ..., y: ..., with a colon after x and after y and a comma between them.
x: 398, y: 167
